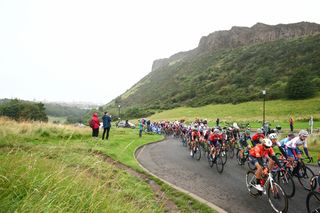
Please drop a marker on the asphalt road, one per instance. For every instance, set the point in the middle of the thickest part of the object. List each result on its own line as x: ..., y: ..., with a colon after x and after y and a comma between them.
x: 170, y: 161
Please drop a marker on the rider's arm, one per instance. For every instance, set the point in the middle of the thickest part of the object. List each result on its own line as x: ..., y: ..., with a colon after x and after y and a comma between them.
x: 306, y: 151
x: 275, y: 159
x: 283, y: 152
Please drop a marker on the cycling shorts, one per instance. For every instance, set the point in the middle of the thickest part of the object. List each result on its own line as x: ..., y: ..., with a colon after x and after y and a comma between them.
x: 214, y: 143
x: 290, y: 152
x: 253, y: 160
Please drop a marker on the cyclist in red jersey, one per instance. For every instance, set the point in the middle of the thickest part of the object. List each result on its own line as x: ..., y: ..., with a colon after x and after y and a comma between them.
x: 215, y: 138
x: 257, y: 137
x: 257, y: 156
x: 195, y: 135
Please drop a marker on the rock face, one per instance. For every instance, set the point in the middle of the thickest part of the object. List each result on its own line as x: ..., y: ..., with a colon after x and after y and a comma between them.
x: 241, y: 36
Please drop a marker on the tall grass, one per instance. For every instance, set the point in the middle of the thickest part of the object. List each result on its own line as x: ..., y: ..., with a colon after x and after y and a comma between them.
x: 49, y: 168
x: 56, y: 168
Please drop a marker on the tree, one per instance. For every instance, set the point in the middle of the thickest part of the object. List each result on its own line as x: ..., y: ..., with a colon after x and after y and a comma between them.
x: 300, y: 86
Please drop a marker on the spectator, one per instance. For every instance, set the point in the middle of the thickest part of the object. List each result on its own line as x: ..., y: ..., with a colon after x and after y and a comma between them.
x: 311, y: 124
x: 140, y: 126
x: 291, y: 123
x: 217, y: 121
x: 148, y: 126
x: 95, y: 124
x: 106, y: 119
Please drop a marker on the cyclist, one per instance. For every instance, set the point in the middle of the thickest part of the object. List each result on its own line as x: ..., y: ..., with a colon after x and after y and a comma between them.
x: 258, y: 154
x: 293, y: 152
x: 243, y: 144
x: 282, y: 143
x: 195, y: 135
x: 257, y: 137
x: 274, y: 139
x: 214, y: 140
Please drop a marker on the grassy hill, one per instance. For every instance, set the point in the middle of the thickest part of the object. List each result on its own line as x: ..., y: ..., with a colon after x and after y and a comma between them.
x: 277, y: 111
x: 226, y: 76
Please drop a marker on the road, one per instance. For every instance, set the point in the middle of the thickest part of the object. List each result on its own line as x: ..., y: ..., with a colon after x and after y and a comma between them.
x: 170, y: 161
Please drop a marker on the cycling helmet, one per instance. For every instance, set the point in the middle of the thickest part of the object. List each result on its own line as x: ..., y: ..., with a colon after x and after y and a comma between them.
x: 259, y: 131
x: 303, y: 133
x: 273, y: 136
x: 235, y: 125
x: 217, y: 131
x: 267, y: 142
x: 247, y: 132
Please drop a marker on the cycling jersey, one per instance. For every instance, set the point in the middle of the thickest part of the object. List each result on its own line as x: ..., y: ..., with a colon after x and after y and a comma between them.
x: 283, y: 142
x: 243, y: 140
x: 215, y: 137
x: 259, y: 151
x: 194, y: 135
x: 296, y: 142
x: 256, y: 138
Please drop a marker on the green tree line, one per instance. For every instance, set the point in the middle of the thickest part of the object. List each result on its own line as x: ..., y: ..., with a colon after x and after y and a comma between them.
x: 22, y: 110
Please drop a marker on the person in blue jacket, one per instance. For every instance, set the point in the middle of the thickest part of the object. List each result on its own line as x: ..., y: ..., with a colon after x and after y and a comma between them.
x: 106, y: 119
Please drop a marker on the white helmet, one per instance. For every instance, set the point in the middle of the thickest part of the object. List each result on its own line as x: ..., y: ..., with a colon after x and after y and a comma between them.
x: 273, y: 136
x: 259, y: 131
x: 267, y: 142
x: 303, y: 133
x: 217, y: 131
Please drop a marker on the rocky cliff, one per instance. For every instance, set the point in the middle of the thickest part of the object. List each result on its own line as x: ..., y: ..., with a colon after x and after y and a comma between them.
x: 241, y: 36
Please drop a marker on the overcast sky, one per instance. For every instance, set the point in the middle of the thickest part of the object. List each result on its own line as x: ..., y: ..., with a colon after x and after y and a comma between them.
x: 93, y: 51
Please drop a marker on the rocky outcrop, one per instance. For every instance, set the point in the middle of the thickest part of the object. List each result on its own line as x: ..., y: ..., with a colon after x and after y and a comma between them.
x: 258, y: 33
x: 241, y: 36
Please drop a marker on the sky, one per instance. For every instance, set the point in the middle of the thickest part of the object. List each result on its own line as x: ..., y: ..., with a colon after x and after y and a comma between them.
x: 93, y: 51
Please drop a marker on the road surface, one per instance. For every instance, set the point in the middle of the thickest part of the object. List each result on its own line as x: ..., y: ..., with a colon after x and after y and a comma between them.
x: 170, y: 161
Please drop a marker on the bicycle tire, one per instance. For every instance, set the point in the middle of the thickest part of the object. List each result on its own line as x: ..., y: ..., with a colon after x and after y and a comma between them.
x: 276, y: 193
x: 306, y: 174
x: 219, y: 164
x: 210, y: 160
x: 224, y: 156
x: 231, y: 151
x: 314, y: 182
x: 313, y: 202
x: 238, y: 157
x: 285, y: 180
x: 197, y: 153
x: 250, y: 181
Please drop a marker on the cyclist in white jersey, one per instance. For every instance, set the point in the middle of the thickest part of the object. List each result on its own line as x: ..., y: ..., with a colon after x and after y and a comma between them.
x: 292, y: 149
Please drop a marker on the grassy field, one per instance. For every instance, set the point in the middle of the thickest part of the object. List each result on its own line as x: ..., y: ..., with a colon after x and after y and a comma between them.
x: 59, y: 168
x: 276, y: 112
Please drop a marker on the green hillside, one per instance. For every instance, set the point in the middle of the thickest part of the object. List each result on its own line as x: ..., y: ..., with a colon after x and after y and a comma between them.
x: 277, y: 111
x: 227, y: 76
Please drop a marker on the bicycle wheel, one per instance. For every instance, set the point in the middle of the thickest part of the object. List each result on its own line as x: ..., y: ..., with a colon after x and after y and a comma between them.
x: 313, y: 202
x: 305, y: 175
x: 197, y: 152
x: 231, y: 151
x: 238, y: 157
x: 219, y: 164
x: 277, y: 198
x: 210, y: 160
x: 285, y: 180
x: 251, y: 182
x: 224, y: 156
x: 314, y: 182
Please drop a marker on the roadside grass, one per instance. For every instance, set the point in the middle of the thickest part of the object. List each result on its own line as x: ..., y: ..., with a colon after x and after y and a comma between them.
x: 277, y: 111
x: 49, y: 168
